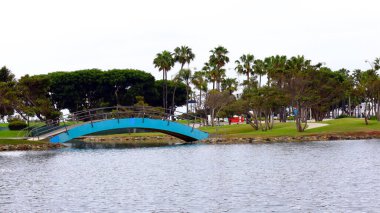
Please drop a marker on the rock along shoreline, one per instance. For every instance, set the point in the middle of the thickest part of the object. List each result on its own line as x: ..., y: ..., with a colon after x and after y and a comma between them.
x: 289, y: 139
x: 238, y: 140
x: 27, y: 147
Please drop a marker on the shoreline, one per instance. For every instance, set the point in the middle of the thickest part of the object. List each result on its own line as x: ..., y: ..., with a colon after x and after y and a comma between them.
x: 170, y: 140
x: 289, y: 139
x: 30, y: 147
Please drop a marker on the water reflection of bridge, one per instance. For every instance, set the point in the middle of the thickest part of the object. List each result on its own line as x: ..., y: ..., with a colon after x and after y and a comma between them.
x: 121, y: 118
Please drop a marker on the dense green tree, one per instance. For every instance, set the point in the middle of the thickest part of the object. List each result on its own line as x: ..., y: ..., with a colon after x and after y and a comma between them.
x: 85, y: 89
x: 34, y: 98
x: 8, y: 96
x: 6, y: 75
x: 261, y: 104
x: 235, y: 107
x: 126, y: 85
x: 367, y: 85
x: 215, y: 101
x: 330, y: 88
x: 8, y: 93
x: 179, y: 98
x: 77, y: 90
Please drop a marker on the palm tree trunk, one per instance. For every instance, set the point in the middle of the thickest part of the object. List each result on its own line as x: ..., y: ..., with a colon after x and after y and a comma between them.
x: 187, y: 96
x: 163, y: 89
x: 248, y: 79
x: 166, y: 90
x: 175, y: 88
x: 200, y: 98
x: 259, y: 81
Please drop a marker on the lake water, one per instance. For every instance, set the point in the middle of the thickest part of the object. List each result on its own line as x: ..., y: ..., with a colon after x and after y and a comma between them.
x: 341, y: 176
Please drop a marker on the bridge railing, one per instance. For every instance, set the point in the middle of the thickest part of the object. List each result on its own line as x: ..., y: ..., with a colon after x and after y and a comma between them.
x: 66, y: 122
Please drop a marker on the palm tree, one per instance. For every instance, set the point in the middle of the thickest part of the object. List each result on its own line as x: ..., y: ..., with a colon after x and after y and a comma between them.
x: 275, y: 67
x: 230, y: 85
x: 183, y: 55
x: 376, y: 64
x: 164, y: 62
x: 259, y: 69
x: 200, y: 83
x: 244, y: 66
x: 218, y: 59
x: 185, y: 74
x: 210, y: 73
x: 176, y: 80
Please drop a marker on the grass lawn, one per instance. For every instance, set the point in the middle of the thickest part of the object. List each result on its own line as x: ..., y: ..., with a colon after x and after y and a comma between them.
x: 338, y: 126
x: 345, y: 125
x: 10, y: 134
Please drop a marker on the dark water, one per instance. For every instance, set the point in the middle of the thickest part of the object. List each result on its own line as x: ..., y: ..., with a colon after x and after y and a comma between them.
x: 342, y: 176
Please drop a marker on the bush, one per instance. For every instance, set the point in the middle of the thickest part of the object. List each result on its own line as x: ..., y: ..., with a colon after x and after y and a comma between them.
x: 17, y: 125
x: 344, y: 116
x: 290, y: 118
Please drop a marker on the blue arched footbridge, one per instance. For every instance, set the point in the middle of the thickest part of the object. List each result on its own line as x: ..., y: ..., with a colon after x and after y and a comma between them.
x: 119, y: 118
x: 178, y: 130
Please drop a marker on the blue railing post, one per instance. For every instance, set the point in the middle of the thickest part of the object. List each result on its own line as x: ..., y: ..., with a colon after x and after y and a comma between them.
x: 89, y: 112
x: 117, y: 114
x: 63, y: 120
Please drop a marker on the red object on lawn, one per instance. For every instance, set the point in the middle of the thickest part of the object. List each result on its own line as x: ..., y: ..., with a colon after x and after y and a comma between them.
x: 238, y: 119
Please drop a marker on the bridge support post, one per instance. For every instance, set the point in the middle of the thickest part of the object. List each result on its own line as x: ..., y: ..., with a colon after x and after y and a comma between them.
x: 63, y: 120
x: 92, y: 124
x: 143, y: 114
x: 117, y: 115
x: 170, y: 113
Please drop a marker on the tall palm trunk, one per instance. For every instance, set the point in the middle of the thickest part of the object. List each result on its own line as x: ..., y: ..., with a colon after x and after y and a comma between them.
x: 187, y: 96
x: 175, y: 88
x: 163, y: 89
x: 248, y: 79
x: 259, y: 81
x: 200, y: 98
x: 166, y: 90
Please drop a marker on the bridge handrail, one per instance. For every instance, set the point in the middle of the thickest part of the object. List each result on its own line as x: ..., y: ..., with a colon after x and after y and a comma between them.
x: 93, y: 115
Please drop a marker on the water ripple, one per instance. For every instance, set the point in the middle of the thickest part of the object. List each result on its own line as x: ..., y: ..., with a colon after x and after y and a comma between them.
x: 342, y: 176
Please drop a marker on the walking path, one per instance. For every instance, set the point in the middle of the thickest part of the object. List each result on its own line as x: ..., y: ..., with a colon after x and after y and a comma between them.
x: 315, y: 125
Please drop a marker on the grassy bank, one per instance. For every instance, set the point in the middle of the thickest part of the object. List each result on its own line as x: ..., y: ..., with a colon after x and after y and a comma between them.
x: 343, y: 126
x: 20, y: 142
x: 338, y: 126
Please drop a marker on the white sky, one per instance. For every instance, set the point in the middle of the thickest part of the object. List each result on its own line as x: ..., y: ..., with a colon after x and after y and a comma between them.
x: 42, y: 36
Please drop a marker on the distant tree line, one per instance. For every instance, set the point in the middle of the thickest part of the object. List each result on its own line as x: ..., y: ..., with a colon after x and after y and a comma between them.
x: 44, y: 96
x: 295, y: 89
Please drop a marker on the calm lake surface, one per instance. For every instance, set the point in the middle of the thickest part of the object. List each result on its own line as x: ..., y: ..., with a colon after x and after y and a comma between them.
x: 341, y: 176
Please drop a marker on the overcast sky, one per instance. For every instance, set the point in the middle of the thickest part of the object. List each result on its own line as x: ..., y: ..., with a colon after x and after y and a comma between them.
x: 42, y: 36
